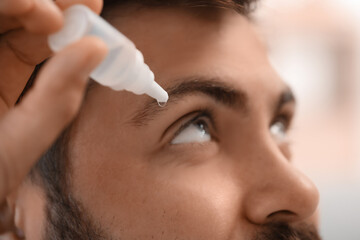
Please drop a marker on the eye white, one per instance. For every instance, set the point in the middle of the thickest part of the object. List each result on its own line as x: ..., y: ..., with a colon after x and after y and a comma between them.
x: 195, y: 132
x: 278, y: 131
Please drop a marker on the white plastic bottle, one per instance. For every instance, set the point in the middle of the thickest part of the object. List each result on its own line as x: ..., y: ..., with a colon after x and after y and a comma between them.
x: 123, y: 68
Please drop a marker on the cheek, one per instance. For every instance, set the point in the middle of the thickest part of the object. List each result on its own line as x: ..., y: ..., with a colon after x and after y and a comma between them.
x: 200, y: 202
x: 169, y: 202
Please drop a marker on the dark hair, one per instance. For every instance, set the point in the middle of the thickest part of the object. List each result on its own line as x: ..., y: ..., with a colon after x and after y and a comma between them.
x: 241, y: 6
x: 65, y: 216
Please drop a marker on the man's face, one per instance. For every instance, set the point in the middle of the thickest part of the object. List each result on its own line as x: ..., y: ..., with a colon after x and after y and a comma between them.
x: 215, y: 162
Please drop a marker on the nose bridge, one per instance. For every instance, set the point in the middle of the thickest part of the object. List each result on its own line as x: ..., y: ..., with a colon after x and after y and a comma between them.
x: 277, y: 191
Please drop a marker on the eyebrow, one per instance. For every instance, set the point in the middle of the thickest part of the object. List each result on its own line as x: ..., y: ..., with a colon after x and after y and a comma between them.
x: 214, y: 88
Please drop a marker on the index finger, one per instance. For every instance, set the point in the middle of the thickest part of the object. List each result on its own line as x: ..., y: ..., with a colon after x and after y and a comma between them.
x: 18, y: 7
x: 34, y: 22
x: 15, y: 7
x: 39, y: 16
x: 95, y: 5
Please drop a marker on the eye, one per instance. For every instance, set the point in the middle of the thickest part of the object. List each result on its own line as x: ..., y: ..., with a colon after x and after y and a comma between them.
x: 279, y: 129
x: 194, y: 131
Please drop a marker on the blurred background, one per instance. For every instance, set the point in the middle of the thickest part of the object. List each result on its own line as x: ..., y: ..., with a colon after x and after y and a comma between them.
x: 315, y: 47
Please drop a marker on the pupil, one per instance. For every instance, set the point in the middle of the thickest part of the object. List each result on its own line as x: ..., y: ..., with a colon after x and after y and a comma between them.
x: 201, y: 125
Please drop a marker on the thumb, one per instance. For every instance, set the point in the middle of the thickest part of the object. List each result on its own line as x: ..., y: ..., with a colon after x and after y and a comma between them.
x: 28, y: 130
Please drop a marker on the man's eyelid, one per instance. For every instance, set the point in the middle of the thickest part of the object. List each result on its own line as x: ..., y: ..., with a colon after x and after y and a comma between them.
x: 176, y: 122
x: 287, y: 113
x: 284, y: 118
x: 194, y: 120
x: 188, y: 119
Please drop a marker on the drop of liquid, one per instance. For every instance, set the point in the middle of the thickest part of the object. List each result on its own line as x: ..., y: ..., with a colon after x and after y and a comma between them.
x: 161, y: 104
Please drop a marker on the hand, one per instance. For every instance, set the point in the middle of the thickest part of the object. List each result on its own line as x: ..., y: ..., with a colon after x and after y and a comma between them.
x: 28, y: 129
x: 24, y: 26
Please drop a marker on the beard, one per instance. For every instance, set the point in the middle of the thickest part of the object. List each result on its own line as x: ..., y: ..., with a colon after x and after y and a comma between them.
x: 283, y: 231
x: 67, y: 219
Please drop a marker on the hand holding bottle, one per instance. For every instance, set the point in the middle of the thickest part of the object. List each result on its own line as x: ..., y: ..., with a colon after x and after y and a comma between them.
x: 28, y: 129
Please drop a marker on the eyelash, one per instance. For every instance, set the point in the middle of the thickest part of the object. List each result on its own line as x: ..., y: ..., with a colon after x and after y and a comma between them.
x: 207, y: 117
x: 284, y: 118
x: 204, y: 115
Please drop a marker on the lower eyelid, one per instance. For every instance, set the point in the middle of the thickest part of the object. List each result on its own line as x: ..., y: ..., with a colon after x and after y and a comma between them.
x: 191, y: 147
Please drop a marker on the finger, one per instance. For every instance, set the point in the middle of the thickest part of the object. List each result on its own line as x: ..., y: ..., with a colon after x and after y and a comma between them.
x: 38, y: 16
x: 29, y: 129
x: 15, y: 7
x: 18, y: 7
x: 8, y: 236
x: 12, y: 80
x: 34, y: 22
x: 28, y: 47
x: 8, y: 23
x: 95, y: 5
x: 43, y: 18
x: 20, y: 51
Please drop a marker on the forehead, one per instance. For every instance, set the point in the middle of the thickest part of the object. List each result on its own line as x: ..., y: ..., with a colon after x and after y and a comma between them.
x: 179, y: 43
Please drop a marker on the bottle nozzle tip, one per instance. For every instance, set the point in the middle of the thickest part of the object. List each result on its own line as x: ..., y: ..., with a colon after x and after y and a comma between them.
x: 157, y: 92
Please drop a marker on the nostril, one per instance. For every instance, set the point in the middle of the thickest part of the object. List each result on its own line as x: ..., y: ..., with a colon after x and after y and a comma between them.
x: 281, y: 216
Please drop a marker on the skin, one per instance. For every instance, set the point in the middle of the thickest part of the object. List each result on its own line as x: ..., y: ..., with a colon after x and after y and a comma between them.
x: 48, y: 107
x: 135, y: 184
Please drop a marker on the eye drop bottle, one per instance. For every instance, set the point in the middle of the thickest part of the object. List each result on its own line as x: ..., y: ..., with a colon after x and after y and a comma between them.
x: 123, y: 68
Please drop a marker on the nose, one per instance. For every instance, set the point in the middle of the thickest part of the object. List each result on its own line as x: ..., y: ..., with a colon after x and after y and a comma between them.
x: 279, y: 192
